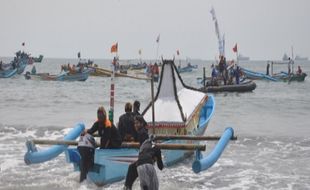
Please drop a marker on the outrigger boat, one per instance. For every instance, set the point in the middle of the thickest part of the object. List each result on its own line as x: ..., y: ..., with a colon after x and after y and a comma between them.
x: 284, y: 76
x: 66, y: 76
x: 182, y: 116
x: 256, y: 75
x: 245, y: 86
x: 108, y: 73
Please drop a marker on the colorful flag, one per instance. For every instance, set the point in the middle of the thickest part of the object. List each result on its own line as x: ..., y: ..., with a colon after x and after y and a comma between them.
x: 158, y: 38
x: 235, y: 49
x: 114, y: 47
x: 178, y: 52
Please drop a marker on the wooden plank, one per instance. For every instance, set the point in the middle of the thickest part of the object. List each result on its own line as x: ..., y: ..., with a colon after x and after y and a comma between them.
x: 126, y: 144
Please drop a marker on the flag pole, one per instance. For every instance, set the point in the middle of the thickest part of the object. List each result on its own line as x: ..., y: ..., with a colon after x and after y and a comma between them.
x: 112, y: 88
x: 157, y: 40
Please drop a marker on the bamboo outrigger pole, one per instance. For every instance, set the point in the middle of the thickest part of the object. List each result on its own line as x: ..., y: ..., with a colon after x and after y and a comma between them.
x: 126, y: 144
x: 186, y: 137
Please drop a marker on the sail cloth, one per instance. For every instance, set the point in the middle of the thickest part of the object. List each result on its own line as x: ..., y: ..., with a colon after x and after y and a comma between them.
x: 174, y: 101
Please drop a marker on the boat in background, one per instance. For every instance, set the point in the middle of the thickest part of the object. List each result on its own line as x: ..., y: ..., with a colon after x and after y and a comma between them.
x: 256, y: 75
x: 37, y: 59
x: 285, y: 76
x: 65, y: 76
x: 244, y: 86
x: 285, y: 57
x: 299, y: 58
x: 8, y: 73
x: 242, y: 57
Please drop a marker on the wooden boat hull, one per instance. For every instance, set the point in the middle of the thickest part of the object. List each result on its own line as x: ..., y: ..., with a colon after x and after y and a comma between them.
x: 63, y: 77
x: 256, y: 75
x: 111, y: 164
x: 292, y: 77
x: 8, y: 73
x: 242, y: 87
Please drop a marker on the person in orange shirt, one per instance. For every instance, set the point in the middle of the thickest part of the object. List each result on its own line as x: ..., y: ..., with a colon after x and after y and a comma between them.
x: 110, y: 137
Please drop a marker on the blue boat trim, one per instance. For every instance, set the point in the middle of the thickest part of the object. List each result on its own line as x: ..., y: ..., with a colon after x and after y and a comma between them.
x: 33, y: 156
x: 201, y: 164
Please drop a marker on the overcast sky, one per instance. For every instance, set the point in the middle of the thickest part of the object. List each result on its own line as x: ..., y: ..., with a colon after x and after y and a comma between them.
x: 263, y: 29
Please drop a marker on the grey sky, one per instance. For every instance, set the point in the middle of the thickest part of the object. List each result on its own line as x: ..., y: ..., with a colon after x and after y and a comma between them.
x: 263, y: 29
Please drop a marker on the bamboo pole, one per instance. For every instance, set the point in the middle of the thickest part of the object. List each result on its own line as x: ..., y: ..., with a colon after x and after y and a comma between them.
x: 187, y: 137
x: 184, y: 137
x: 126, y: 144
x: 108, y: 73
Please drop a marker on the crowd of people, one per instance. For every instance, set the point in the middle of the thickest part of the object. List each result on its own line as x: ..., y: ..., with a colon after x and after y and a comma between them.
x: 225, y: 72
x: 131, y: 127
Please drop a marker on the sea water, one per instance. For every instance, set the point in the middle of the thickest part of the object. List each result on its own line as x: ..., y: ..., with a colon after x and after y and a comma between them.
x: 272, y: 124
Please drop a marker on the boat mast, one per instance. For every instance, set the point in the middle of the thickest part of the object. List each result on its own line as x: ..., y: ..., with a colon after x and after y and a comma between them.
x: 221, y: 39
x: 114, y: 62
x: 292, y: 49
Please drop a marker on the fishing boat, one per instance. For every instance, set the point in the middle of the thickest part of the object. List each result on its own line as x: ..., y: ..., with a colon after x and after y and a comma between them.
x: 285, y: 76
x: 37, y: 59
x: 256, y: 75
x: 242, y: 57
x: 103, y: 72
x: 245, y: 86
x: 189, y: 114
x: 65, y: 76
x: 8, y: 73
x: 300, y: 58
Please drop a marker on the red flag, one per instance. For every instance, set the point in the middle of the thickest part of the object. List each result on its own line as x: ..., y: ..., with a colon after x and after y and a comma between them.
x: 178, y: 53
x: 114, y: 47
x: 235, y: 49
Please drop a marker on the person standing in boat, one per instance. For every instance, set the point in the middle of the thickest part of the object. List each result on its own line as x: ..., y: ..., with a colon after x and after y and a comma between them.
x: 86, y: 148
x: 290, y: 65
x: 126, y: 124
x: 109, y: 137
x: 33, y: 70
x: 267, y: 69
x: 237, y: 74
x: 213, y: 76
x: 132, y: 173
x: 136, y: 108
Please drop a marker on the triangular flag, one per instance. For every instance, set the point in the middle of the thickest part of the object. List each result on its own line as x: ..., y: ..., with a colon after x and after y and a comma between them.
x: 235, y: 49
x: 114, y: 47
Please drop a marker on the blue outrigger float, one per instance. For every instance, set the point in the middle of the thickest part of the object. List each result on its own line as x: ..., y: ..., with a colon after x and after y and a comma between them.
x: 189, y: 114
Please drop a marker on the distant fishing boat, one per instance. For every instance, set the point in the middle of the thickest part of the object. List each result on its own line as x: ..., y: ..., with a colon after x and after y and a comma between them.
x: 299, y: 58
x: 189, y: 112
x: 285, y: 76
x: 66, y: 76
x: 256, y: 75
x: 8, y: 73
x: 285, y: 57
x: 244, y: 86
x: 37, y: 59
x: 242, y: 57
x: 188, y: 68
